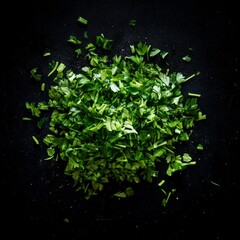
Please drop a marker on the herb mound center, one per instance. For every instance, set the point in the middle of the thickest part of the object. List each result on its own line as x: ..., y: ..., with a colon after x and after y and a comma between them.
x: 118, y: 119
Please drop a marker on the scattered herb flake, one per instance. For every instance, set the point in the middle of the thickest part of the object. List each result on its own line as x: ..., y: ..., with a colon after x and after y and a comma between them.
x: 165, y: 200
x: 73, y: 39
x: 154, y: 52
x: 78, y: 52
x: 46, y: 54
x: 35, y: 140
x: 66, y: 220
x: 194, y: 94
x: 41, y: 122
x: 85, y: 34
x: 199, y: 146
x: 214, y: 183
x: 54, y: 66
x: 161, y: 183
x: 43, y: 87
x: 163, y: 54
x: 35, y: 74
x: 132, y: 22
x: 26, y: 119
x: 83, y: 20
x: 186, y: 58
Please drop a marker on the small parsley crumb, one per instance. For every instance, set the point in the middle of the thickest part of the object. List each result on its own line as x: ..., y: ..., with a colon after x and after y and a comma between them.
x: 199, y: 146
x: 132, y: 22
x: 187, y: 58
x: 83, y: 20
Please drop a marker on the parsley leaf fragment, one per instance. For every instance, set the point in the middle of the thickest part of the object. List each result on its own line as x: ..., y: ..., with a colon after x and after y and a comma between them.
x: 186, y: 58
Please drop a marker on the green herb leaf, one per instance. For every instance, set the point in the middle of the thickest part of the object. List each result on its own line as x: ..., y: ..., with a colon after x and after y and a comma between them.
x: 199, y: 146
x: 154, y: 52
x: 163, y: 54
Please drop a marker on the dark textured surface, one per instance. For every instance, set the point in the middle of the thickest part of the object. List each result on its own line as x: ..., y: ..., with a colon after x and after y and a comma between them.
x: 31, y: 196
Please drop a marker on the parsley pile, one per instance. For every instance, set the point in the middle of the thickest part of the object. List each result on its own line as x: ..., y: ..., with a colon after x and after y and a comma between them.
x: 117, y: 119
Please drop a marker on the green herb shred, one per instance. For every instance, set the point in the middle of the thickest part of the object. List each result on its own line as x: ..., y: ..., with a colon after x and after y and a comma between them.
x: 132, y: 22
x: 186, y: 58
x: 35, y: 140
x: 83, y: 20
x: 117, y: 119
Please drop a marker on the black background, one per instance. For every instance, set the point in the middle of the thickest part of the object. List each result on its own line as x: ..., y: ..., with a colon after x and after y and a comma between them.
x: 35, y: 196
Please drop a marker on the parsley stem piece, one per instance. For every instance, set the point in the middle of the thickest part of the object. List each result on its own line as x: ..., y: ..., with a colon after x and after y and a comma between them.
x: 194, y: 94
x: 161, y: 183
x: 35, y: 74
x: 192, y: 76
x: 35, y: 140
x: 42, y: 87
x: 26, y: 119
x: 46, y: 54
x: 54, y: 69
x: 83, y: 20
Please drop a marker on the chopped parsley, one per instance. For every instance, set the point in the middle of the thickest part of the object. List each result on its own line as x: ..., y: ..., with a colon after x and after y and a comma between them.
x: 117, y: 119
